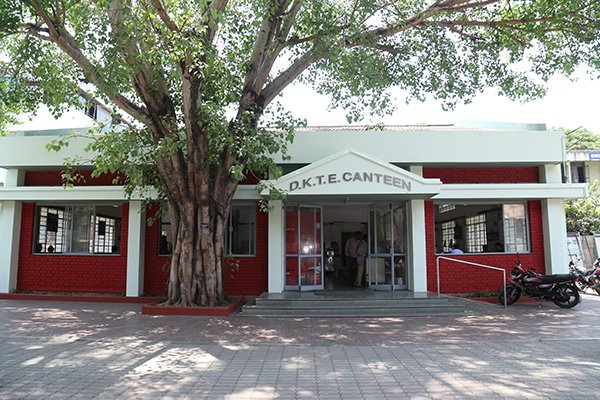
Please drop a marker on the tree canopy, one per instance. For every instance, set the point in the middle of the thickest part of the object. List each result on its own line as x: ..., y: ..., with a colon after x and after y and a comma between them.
x: 582, y: 139
x: 193, y: 84
x: 583, y: 215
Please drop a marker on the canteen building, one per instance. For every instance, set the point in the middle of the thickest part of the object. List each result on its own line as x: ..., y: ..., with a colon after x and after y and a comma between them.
x: 415, y: 193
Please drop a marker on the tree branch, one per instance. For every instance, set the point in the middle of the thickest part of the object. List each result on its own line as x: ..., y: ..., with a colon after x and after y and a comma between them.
x: 160, y: 107
x: 270, y: 40
x: 65, y: 41
x: 162, y: 13
x: 286, y: 77
x: 464, y: 7
x: 213, y: 9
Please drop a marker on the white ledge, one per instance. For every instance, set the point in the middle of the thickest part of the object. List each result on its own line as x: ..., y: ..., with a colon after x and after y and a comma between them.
x: 486, y: 191
x: 95, y: 193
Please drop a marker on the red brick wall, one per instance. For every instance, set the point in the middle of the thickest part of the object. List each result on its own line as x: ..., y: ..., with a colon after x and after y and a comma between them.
x: 69, y: 273
x: 484, y: 175
x: 252, y: 276
x: 156, y: 267
x: 250, y: 279
x: 460, y: 278
x: 53, y: 178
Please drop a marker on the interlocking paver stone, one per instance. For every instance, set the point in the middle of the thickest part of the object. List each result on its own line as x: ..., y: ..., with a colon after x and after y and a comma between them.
x: 52, y: 350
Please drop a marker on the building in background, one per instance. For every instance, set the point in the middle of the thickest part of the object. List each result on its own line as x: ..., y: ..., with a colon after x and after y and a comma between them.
x: 583, y: 166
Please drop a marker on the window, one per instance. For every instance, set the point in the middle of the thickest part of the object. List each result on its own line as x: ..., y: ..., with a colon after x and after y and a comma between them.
x: 448, y: 236
x: 240, y: 232
x: 578, y: 172
x: 165, y: 238
x: 78, y: 229
x: 487, y: 228
x: 446, y: 207
x: 476, y: 234
x: 515, y: 228
x: 91, y: 110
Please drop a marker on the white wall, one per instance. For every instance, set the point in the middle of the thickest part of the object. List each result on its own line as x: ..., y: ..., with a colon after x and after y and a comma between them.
x: 431, y: 147
x: 2, y: 176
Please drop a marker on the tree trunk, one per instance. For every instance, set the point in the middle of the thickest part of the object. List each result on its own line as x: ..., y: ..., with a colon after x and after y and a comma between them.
x: 198, y: 224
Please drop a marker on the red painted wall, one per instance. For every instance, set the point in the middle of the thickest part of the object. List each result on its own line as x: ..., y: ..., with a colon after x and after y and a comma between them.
x: 156, y: 267
x: 69, y: 273
x: 252, y: 276
x: 484, y: 175
x: 53, y: 178
x: 250, y: 279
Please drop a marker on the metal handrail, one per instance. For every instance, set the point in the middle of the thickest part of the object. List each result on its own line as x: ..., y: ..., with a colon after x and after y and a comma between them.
x: 437, y: 271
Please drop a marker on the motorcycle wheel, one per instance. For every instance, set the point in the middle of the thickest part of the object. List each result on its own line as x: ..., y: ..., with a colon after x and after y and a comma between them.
x: 597, y: 290
x: 567, y: 297
x: 512, y: 294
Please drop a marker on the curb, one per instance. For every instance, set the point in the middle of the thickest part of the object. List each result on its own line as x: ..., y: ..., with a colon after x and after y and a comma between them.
x: 75, y: 298
x: 151, y: 309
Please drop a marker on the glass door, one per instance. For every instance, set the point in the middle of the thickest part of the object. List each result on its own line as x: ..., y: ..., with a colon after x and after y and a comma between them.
x: 303, y: 248
x: 387, y: 247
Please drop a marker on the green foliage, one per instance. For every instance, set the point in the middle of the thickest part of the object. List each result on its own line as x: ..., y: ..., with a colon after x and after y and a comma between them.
x: 583, y: 215
x: 137, y: 59
x: 582, y: 139
x: 230, y: 266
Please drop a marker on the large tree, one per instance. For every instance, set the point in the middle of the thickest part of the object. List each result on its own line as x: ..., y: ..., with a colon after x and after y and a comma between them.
x: 193, y: 84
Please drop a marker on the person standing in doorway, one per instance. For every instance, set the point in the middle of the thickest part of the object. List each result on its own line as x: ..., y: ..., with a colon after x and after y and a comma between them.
x: 350, y: 251
x: 361, y: 255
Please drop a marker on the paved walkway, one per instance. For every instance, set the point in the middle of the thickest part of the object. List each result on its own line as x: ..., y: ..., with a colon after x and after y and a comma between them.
x: 56, y: 350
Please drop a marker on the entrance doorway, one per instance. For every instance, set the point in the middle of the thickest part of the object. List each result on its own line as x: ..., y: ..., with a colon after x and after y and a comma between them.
x: 316, y: 238
x: 339, y: 224
x: 387, y: 247
x: 303, y: 248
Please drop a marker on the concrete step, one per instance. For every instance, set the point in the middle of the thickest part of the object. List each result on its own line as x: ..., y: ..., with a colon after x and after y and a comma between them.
x: 353, y: 312
x: 346, y: 303
x: 354, y: 305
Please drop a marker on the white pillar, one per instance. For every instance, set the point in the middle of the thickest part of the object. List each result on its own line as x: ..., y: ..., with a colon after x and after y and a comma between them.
x: 135, y: 248
x: 10, y: 234
x: 276, y: 247
x: 555, y: 236
x: 417, y: 249
x: 554, y: 225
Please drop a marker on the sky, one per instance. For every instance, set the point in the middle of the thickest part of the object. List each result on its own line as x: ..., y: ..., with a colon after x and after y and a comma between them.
x: 567, y: 105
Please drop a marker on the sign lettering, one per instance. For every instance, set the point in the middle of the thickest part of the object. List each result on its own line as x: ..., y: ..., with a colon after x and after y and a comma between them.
x: 594, y: 155
x: 351, y: 177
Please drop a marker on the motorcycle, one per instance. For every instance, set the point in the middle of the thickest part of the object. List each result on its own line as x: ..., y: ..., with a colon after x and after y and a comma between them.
x: 560, y: 289
x: 587, y: 278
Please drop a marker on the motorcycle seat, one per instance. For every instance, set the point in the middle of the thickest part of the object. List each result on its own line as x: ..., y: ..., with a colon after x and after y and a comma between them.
x: 556, y: 278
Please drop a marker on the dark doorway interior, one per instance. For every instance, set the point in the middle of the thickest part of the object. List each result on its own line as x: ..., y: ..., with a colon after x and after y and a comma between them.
x: 339, y: 223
